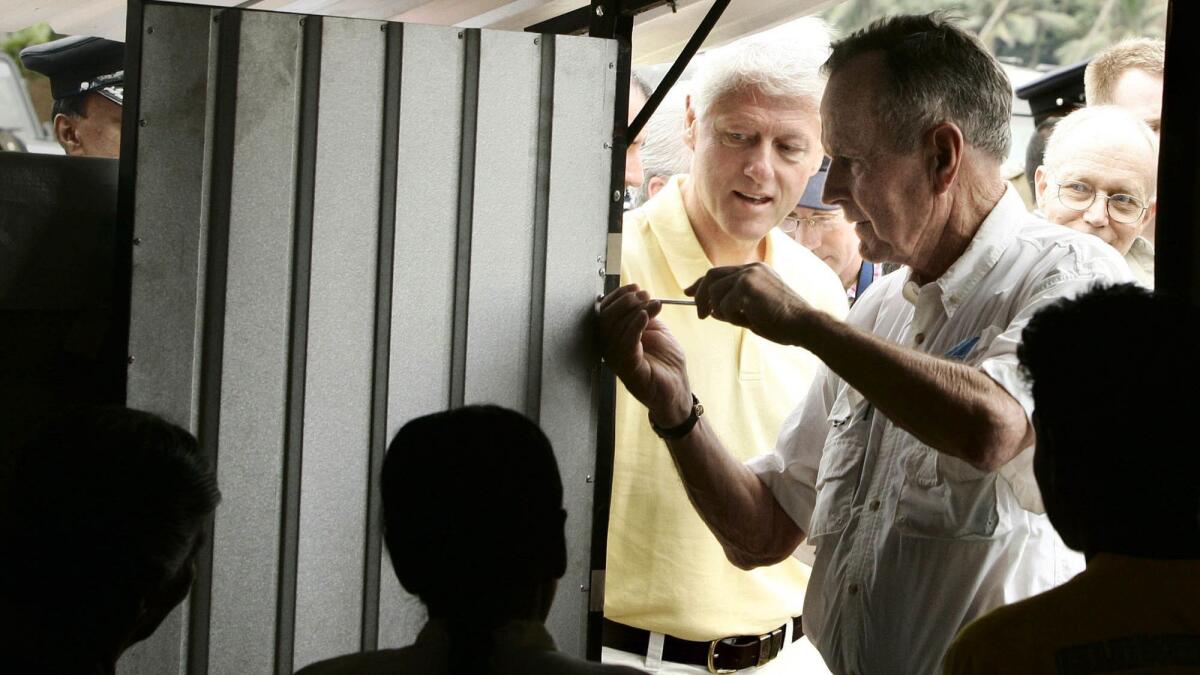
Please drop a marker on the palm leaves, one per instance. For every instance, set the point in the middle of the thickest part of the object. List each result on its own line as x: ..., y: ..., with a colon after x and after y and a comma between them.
x: 1028, y: 32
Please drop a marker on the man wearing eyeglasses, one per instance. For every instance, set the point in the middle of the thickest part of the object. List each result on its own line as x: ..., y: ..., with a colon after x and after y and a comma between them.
x: 1099, y: 177
x: 823, y: 229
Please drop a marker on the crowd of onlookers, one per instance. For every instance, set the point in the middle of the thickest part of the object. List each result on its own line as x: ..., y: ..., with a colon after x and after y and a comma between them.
x: 908, y: 426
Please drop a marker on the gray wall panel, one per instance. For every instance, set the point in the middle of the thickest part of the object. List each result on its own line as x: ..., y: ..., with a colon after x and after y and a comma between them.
x: 164, y: 300
x: 529, y: 281
x: 246, y: 537
x: 423, y: 272
x: 340, y: 341
x: 578, y: 212
x: 502, y: 234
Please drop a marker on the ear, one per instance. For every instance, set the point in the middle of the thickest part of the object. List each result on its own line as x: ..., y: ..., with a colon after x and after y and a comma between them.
x: 1040, y: 180
x: 945, y: 145
x: 66, y: 132
x: 1151, y: 211
x: 689, y: 123
x: 656, y: 183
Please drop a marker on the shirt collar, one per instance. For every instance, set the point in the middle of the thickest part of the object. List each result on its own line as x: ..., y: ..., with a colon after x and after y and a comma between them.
x: 989, y: 243
x: 669, y: 221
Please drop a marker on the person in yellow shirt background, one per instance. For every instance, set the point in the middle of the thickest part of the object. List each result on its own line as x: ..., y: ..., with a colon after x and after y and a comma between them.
x: 1117, y: 485
x: 673, y: 602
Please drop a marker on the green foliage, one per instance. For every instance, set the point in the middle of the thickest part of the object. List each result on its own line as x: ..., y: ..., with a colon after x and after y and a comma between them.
x: 1026, y: 32
x: 36, y: 34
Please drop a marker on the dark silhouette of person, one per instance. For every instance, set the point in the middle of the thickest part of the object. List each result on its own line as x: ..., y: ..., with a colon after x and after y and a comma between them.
x: 1114, y: 376
x: 100, y: 522
x: 473, y: 523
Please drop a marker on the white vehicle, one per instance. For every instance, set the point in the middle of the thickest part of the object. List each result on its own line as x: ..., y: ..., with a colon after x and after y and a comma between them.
x: 17, y: 116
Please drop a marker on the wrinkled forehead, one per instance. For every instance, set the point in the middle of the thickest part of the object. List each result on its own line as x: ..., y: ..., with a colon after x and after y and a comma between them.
x: 848, y: 108
x: 1114, y: 165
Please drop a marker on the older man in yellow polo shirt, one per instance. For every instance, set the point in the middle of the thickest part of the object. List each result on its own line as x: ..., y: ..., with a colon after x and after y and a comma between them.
x: 673, y: 602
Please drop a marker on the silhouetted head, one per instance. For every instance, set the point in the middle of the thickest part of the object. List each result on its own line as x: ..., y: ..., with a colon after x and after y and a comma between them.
x: 1113, y: 375
x: 473, y: 514
x: 99, y: 529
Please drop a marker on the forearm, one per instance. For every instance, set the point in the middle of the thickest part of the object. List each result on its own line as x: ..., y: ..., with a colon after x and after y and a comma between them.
x: 738, y: 508
x: 950, y: 406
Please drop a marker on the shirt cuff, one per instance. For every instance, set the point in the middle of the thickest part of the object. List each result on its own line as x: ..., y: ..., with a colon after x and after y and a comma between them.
x: 796, y: 498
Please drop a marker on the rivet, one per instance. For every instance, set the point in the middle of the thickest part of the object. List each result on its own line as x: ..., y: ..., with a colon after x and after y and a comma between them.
x: 607, y: 145
x: 583, y: 588
x: 587, y: 478
x: 150, y: 30
x: 142, y: 122
x: 616, y: 195
x: 599, y: 10
x: 460, y: 35
x: 129, y: 359
x: 536, y: 41
x: 137, y: 241
x: 611, y: 65
x: 383, y: 27
x: 301, y: 21
x: 601, y: 271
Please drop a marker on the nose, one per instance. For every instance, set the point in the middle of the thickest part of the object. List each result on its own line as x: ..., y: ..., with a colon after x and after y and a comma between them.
x: 835, y: 183
x: 758, y: 163
x: 808, y: 237
x: 633, y: 167
x: 1096, y: 215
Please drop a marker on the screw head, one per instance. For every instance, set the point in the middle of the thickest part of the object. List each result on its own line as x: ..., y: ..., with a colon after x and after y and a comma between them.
x: 142, y: 122
x: 599, y: 10
x: 149, y: 30
x: 129, y: 359
x: 137, y: 241
x: 616, y: 195
x: 537, y: 41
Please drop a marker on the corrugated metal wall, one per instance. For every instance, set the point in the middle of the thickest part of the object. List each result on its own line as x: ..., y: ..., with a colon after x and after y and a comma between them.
x: 341, y: 224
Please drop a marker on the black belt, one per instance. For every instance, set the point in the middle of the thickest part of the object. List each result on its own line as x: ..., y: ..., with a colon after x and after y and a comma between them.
x: 725, y: 655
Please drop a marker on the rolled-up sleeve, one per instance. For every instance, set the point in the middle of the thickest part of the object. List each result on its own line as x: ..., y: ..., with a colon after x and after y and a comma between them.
x: 790, y: 470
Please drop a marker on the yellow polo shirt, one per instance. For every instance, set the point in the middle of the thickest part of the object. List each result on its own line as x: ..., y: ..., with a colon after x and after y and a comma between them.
x: 666, y: 571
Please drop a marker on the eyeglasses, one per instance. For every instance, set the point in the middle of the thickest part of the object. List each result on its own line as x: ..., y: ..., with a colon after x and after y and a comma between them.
x: 1079, y: 196
x: 792, y: 223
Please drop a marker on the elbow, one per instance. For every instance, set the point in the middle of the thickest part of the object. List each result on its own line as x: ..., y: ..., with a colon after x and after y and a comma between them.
x: 999, y: 436
x: 748, y: 560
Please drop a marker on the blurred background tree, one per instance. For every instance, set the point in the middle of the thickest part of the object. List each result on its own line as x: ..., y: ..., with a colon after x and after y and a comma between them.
x: 1039, y: 34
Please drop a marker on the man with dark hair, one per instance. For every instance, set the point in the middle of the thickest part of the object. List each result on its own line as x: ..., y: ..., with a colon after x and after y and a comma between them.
x: 1123, y: 492
x: 909, y: 464
x: 99, y: 527
x: 484, y: 558
x: 87, y: 80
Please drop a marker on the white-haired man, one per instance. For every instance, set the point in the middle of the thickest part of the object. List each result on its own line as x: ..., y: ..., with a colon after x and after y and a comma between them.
x: 1098, y: 177
x: 673, y: 602
x: 663, y: 152
x: 908, y: 464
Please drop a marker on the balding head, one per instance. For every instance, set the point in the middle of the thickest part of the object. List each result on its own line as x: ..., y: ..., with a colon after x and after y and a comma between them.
x: 1105, y: 149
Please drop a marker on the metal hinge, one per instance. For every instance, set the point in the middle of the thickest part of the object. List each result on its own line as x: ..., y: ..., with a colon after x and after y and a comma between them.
x: 612, y: 255
x: 596, y: 592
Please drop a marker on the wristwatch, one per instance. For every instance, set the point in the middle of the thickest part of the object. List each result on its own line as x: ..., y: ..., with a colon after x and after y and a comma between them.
x: 683, y: 428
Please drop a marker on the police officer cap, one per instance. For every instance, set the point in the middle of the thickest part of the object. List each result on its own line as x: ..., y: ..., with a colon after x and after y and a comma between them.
x: 80, y: 64
x: 1056, y: 93
x: 811, y: 199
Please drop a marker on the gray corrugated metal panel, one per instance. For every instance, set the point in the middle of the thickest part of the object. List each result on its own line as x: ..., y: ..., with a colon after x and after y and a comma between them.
x: 502, y: 234
x: 423, y: 272
x: 578, y: 207
x: 253, y: 392
x: 164, y: 303
x: 341, y: 341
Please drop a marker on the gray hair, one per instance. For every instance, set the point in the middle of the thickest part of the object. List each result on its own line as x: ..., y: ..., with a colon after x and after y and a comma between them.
x: 663, y: 151
x: 780, y: 63
x: 1095, y: 124
x: 935, y: 72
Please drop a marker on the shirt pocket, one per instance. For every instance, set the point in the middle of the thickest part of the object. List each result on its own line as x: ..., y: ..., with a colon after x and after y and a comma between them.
x: 841, y: 464
x: 942, y: 497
